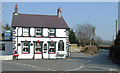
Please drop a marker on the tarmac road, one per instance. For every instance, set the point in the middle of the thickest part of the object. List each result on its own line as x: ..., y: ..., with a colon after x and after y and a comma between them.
x: 77, y: 62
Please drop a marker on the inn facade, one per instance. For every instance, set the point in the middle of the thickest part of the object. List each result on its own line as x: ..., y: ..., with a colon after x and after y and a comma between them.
x: 40, y: 36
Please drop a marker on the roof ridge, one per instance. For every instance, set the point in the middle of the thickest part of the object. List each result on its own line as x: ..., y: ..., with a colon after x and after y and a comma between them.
x: 36, y: 14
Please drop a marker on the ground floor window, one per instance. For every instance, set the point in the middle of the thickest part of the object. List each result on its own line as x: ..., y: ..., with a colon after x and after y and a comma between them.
x: 52, y: 47
x: 25, y: 47
x: 38, y: 47
x: 2, y: 47
x: 60, y: 45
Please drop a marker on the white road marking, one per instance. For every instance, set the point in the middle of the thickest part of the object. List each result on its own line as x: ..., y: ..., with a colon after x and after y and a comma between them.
x: 76, y: 68
x: 49, y: 69
x: 17, y: 63
x: 54, y: 70
x: 29, y: 65
x: 88, y: 61
x: 112, y: 69
x: 24, y: 64
x: 79, y: 67
x: 33, y: 66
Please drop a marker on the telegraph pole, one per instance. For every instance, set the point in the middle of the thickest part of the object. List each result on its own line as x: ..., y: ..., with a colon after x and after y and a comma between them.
x: 93, y: 35
x: 116, y: 27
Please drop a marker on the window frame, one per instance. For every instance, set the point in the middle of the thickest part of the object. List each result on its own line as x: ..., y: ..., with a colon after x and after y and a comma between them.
x: 28, y: 31
x: 38, y: 32
x: 41, y: 43
x: 2, y: 47
x: 52, y: 32
x: 25, y: 46
x: 49, y: 52
x: 63, y: 47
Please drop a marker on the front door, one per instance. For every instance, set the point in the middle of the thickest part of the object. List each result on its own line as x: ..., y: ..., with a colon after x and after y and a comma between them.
x: 45, y: 51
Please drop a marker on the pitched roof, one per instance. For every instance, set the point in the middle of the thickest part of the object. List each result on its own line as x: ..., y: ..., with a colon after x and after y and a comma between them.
x: 45, y: 21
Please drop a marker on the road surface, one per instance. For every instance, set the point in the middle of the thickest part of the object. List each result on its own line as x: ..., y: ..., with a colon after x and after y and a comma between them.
x: 77, y: 62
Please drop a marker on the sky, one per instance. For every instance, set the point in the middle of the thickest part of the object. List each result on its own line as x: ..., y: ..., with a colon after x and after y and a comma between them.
x: 102, y: 15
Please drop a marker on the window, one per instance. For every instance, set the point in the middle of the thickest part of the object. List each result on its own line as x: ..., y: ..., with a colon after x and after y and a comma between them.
x: 51, y: 32
x: 52, y: 47
x: 26, y: 32
x: 2, y: 47
x: 38, y: 47
x: 60, y: 45
x: 38, y: 31
x: 26, y: 47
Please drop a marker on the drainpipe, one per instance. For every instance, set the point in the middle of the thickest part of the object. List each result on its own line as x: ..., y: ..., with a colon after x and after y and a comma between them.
x: 17, y: 40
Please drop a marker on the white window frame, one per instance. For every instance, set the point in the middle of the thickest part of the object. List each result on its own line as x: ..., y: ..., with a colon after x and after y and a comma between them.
x: 52, y: 32
x: 24, y: 32
x: 52, y: 52
x: 38, y: 46
x: 23, y: 46
x: 38, y: 32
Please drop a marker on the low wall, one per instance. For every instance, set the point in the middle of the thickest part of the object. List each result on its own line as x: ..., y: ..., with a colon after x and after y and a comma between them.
x: 6, y: 57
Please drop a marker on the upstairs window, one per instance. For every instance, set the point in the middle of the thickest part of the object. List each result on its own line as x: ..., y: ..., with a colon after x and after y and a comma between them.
x: 52, y: 47
x: 26, y: 32
x: 26, y: 47
x: 38, y: 47
x: 39, y: 32
x: 51, y: 32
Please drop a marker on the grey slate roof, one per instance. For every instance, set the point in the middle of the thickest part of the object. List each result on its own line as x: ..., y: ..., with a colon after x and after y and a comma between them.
x: 44, y: 21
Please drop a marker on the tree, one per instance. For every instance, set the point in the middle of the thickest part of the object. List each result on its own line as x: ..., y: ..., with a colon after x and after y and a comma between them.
x: 117, y: 40
x: 72, y: 37
x: 98, y: 40
x: 84, y: 33
x: 6, y: 27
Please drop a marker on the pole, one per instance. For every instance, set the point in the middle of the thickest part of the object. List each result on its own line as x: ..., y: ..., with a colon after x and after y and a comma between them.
x: 116, y: 27
x: 93, y: 35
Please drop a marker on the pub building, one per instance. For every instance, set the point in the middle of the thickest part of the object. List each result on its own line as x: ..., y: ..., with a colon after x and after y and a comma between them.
x: 40, y: 36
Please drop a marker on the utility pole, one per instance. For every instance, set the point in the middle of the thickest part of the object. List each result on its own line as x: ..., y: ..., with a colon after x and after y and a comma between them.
x: 116, y: 27
x: 93, y: 35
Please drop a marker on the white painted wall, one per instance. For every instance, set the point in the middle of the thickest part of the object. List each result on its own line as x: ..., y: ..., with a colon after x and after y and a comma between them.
x: 45, y: 31
x: 60, y: 34
x: 32, y: 31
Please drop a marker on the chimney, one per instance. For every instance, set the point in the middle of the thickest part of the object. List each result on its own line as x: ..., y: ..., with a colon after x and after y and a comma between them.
x: 59, y: 13
x: 16, y: 10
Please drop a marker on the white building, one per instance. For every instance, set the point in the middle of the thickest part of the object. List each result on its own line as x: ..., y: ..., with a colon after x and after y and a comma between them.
x: 40, y: 36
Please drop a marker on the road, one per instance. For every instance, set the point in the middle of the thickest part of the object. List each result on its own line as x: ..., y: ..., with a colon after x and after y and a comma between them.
x: 77, y: 62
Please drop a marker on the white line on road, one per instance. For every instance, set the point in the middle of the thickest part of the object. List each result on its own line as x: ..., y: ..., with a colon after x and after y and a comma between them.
x: 76, y: 68
x: 54, y: 70
x: 88, y: 61
x: 49, y: 69
x: 17, y: 63
x: 112, y: 69
x: 24, y: 64
x: 29, y: 65
x: 33, y: 66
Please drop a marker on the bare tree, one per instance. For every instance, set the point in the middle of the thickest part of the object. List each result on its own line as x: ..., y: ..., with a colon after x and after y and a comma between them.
x: 84, y: 33
x: 98, y: 40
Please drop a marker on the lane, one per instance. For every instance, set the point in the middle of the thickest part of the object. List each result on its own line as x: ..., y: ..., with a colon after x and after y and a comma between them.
x: 100, y: 62
x: 11, y: 66
x: 77, y: 62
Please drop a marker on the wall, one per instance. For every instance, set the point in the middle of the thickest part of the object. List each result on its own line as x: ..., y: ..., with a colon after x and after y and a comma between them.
x: 8, y: 48
x: 60, y: 35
